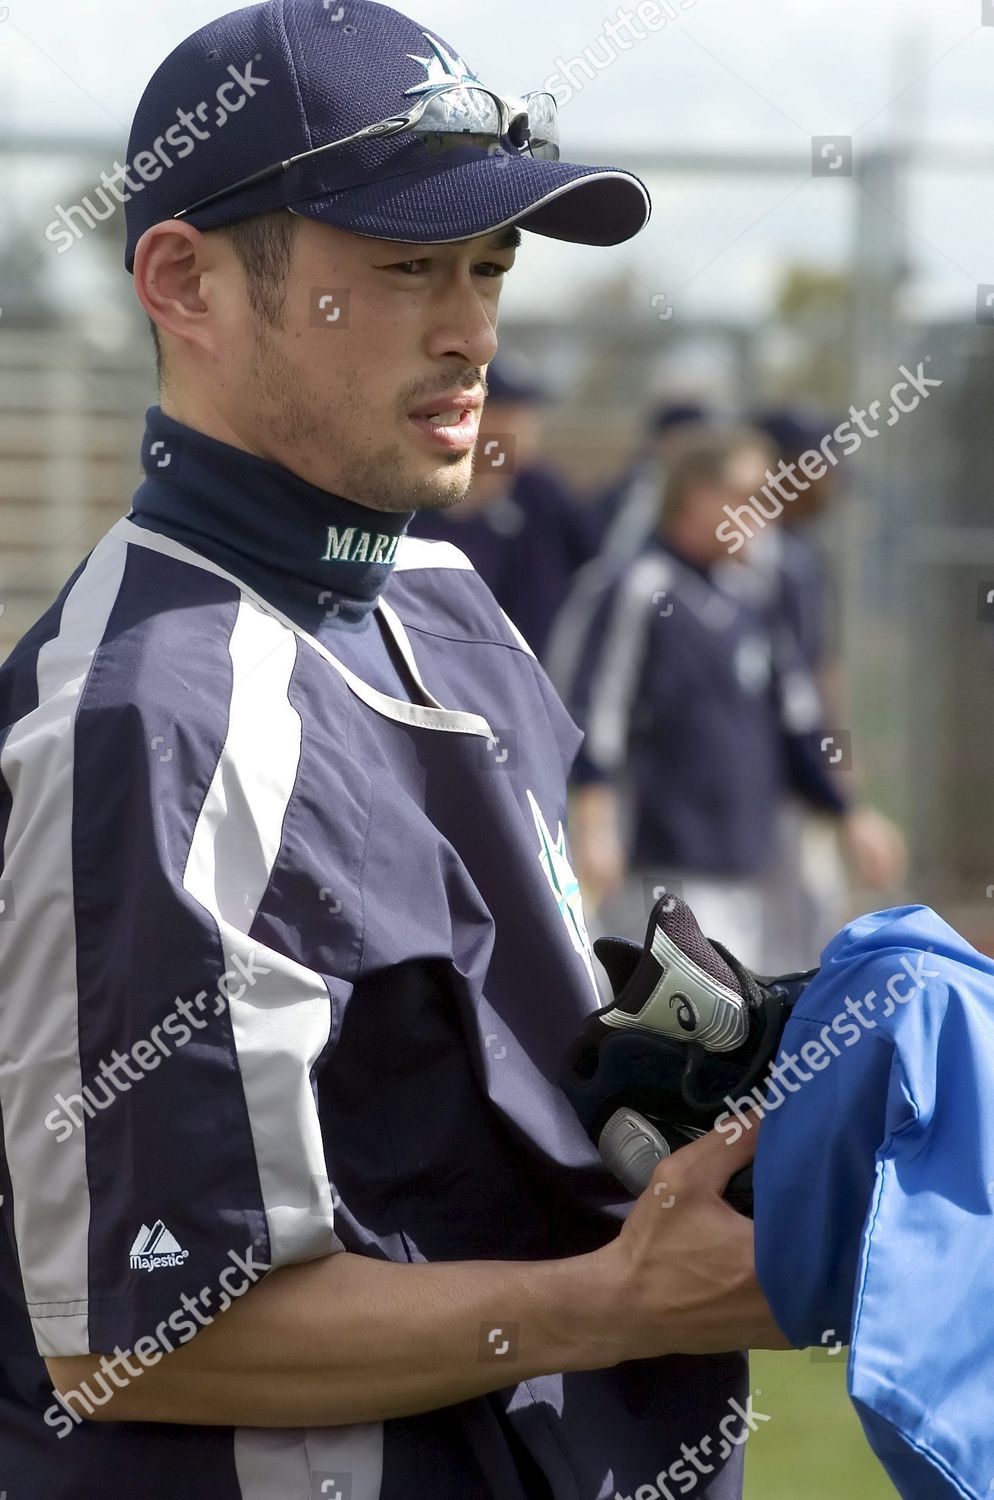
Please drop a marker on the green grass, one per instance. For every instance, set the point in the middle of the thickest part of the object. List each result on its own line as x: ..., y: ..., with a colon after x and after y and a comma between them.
x: 813, y: 1446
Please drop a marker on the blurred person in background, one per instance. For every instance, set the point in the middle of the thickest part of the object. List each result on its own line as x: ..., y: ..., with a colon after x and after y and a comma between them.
x: 789, y: 574
x: 520, y: 527
x: 700, y: 718
x: 792, y: 558
x: 625, y: 514
x: 621, y: 520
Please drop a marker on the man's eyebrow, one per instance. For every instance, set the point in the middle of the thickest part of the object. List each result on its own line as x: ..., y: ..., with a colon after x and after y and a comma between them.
x: 507, y: 239
x: 501, y: 239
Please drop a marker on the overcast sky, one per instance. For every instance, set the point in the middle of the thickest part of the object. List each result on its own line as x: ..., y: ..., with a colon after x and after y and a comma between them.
x: 722, y: 75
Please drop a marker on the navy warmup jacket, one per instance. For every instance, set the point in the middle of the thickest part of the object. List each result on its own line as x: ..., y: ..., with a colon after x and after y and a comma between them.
x: 290, y: 953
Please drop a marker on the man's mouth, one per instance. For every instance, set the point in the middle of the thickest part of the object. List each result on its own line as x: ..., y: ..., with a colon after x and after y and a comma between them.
x: 446, y: 418
x: 448, y: 425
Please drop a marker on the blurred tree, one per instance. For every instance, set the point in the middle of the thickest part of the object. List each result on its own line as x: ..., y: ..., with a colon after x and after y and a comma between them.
x: 812, y: 312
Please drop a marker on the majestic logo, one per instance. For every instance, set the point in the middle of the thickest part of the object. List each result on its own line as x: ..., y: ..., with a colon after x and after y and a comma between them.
x: 565, y: 887
x: 350, y: 545
x: 443, y: 68
x: 156, y: 1247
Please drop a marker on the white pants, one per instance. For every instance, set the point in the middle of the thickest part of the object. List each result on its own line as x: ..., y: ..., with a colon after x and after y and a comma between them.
x: 804, y: 896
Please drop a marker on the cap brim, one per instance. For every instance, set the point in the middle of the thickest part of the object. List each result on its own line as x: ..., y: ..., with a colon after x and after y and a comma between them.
x: 586, y: 205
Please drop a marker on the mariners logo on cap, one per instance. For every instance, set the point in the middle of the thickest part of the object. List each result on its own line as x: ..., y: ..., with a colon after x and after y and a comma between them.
x: 443, y: 69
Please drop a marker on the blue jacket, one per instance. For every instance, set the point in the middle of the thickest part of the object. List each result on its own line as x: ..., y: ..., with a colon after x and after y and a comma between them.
x: 875, y: 1192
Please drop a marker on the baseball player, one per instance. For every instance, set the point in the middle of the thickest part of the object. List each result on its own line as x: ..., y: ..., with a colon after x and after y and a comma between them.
x: 291, y: 948
x: 787, y: 574
x: 625, y: 514
x: 698, y: 718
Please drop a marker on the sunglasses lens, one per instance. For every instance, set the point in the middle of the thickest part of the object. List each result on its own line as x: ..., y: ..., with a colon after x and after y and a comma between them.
x: 465, y: 112
x: 467, y: 116
x: 543, y: 124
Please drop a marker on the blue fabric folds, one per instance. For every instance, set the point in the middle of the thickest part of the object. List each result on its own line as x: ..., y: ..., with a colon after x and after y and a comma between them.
x: 875, y: 1191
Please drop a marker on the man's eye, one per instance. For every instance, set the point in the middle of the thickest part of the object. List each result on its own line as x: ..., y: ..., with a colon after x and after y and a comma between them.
x: 491, y: 269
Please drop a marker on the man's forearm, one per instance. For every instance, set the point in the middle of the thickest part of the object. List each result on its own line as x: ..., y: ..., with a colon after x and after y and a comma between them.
x: 350, y: 1339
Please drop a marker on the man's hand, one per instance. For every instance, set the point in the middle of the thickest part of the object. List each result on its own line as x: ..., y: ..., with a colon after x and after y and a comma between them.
x: 597, y: 850
x: 686, y: 1263
x: 876, y: 848
x: 600, y: 868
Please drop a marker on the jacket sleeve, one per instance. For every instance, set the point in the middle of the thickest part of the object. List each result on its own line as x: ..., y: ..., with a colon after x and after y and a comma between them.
x: 157, y: 1096
x: 807, y: 742
x: 611, y: 662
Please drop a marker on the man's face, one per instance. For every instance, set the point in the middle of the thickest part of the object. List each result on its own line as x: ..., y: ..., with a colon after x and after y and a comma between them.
x: 342, y: 394
x: 705, y: 510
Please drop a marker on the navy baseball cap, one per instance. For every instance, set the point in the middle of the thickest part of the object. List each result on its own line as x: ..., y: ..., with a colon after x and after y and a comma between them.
x: 792, y: 429
x: 669, y: 414
x: 510, y: 378
x: 274, y: 81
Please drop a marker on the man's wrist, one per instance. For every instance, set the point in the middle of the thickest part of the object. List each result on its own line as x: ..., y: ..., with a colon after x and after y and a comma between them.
x: 579, y: 1302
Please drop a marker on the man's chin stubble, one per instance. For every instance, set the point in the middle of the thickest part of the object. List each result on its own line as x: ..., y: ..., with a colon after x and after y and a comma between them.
x: 385, y: 482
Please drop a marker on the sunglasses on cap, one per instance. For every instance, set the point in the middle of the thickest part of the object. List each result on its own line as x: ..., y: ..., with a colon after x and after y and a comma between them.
x: 462, y: 114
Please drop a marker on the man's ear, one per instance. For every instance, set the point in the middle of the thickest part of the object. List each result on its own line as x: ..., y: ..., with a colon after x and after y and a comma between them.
x: 170, y: 263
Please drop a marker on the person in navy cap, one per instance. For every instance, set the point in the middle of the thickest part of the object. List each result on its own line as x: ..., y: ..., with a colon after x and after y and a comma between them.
x: 520, y: 527
x: 293, y: 1204
x: 622, y: 521
x: 700, y: 716
x: 625, y: 514
x: 789, y: 555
